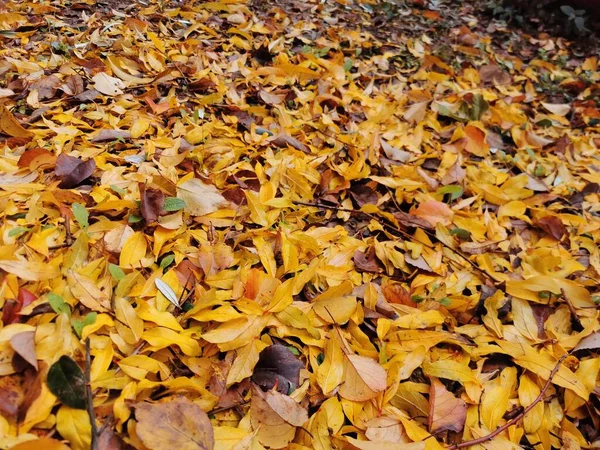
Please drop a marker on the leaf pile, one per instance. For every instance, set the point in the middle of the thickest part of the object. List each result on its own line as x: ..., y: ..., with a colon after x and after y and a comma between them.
x: 319, y: 239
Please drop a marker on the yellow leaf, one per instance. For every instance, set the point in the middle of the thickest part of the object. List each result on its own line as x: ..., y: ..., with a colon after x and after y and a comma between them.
x: 74, y: 425
x: 495, y: 397
x: 236, y: 333
x: 364, y: 379
x: 528, y: 391
x: 87, y: 292
x: 449, y: 369
x: 160, y: 337
x: 541, y: 363
x: 30, y: 271
x: 331, y: 372
x: 11, y: 126
x: 138, y: 366
x: 127, y: 315
x: 134, y: 251
x: 41, y: 444
x: 244, y: 362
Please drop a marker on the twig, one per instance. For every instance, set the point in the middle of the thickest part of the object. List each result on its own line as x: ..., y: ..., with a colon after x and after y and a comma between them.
x: 510, y: 423
x: 404, y: 234
x: 90, y: 397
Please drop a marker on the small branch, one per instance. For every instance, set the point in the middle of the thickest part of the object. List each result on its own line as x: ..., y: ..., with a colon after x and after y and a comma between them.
x: 404, y: 234
x: 90, y: 397
x: 513, y: 421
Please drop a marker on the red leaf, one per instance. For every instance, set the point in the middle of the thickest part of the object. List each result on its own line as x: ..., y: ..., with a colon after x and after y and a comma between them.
x: 152, y: 203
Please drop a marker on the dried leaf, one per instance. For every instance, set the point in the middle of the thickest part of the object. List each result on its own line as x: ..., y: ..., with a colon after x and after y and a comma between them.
x: 446, y: 412
x: 73, y: 171
x: 277, y: 368
x: 23, y: 344
x: 178, y: 423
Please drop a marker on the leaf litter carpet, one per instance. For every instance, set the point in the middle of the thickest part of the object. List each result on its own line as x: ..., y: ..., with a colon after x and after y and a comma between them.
x: 305, y: 225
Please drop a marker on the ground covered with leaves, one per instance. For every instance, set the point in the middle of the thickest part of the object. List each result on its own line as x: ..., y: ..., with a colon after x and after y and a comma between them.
x: 320, y: 225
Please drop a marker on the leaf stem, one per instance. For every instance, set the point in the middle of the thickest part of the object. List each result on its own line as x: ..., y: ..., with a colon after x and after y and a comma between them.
x: 513, y: 421
x: 90, y: 397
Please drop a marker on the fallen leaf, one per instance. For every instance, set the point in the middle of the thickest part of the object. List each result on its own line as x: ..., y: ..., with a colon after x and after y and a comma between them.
x: 73, y: 171
x: 433, y: 212
x: 200, y: 199
x: 364, y: 379
x: 278, y: 368
x: 23, y: 344
x: 9, y: 125
x: 67, y: 382
x: 177, y: 423
x: 446, y: 412
x: 276, y: 417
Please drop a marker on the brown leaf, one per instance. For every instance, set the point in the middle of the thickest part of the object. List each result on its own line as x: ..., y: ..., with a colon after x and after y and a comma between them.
x: 275, y: 416
x: 493, y: 74
x: 553, y: 226
x: 455, y: 175
x: 395, y: 293
x: 73, y: 85
x: 46, y: 87
x: 177, y: 424
x: 11, y: 395
x: 590, y: 342
x: 478, y: 248
x: 151, y: 205
x: 108, y: 440
x: 23, y: 344
x: 72, y: 171
x: 111, y: 135
x: 446, y: 412
x: 367, y: 262
x: 277, y: 367
x: 283, y: 140
x: 413, y: 221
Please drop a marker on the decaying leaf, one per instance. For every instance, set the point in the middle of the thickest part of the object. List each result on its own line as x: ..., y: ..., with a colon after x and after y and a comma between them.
x: 446, y: 412
x: 72, y: 171
x: 278, y: 368
x: 276, y: 417
x: 177, y: 423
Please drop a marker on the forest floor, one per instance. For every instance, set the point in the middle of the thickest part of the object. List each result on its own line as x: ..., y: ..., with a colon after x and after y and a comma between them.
x: 298, y: 224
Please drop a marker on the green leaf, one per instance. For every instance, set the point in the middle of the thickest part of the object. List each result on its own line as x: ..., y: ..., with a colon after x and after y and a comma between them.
x: 461, y: 233
x: 67, y: 382
x: 445, y: 301
x: 18, y: 231
x: 348, y: 64
x: 118, y: 190
x: 544, y: 123
x: 166, y: 261
x: 173, y: 204
x: 135, y: 219
x: 79, y: 325
x: 454, y: 190
x: 478, y: 107
x: 81, y: 215
x: 58, y: 304
x: 417, y: 298
x: 116, y: 272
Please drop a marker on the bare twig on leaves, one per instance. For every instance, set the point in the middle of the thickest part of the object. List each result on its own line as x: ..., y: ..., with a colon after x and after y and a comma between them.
x: 90, y: 396
x: 513, y: 421
x: 403, y: 234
